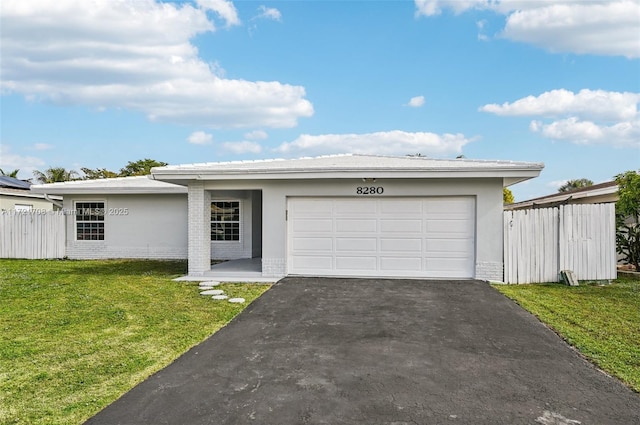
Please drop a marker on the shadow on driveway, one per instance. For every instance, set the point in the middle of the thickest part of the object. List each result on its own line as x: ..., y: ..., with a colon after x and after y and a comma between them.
x: 374, y: 351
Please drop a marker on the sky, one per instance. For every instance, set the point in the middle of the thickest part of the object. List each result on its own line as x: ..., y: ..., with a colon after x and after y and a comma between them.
x: 99, y: 83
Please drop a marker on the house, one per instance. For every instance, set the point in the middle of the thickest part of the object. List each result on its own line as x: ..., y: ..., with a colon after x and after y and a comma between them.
x: 124, y: 217
x: 601, y: 193
x: 343, y: 215
x: 15, y: 195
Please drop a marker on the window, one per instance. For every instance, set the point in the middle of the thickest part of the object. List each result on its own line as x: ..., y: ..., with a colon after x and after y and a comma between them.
x: 90, y: 221
x: 225, y: 220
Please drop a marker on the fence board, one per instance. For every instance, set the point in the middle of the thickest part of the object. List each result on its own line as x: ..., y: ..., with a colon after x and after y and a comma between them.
x: 539, y: 243
x: 32, y: 235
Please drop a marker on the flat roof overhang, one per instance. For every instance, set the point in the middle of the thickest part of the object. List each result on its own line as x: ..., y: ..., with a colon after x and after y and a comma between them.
x: 183, y: 177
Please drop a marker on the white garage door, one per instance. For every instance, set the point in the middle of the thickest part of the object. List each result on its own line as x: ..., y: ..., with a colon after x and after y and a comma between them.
x: 388, y: 237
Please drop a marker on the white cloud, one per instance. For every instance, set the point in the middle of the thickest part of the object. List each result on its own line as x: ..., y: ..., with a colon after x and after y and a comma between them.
x: 224, y: 8
x: 256, y: 135
x: 481, y: 24
x: 200, y: 138
x: 137, y: 55
x: 587, y: 132
x: 607, y: 28
x: 10, y: 161
x: 383, y: 143
x: 42, y: 146
x: 596, y: 104
x: 556, y: 184
x: 416, y: 102
x: 586, y: 117
x: 435, y: 7
x: 269, y: 13
x: 242, y: 147
x: 601, y: 27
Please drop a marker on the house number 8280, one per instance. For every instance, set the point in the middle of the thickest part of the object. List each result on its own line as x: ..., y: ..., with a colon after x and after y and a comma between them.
x: 369, y: 190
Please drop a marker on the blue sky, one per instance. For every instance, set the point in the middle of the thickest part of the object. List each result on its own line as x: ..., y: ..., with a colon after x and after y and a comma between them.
x: 99, y: 83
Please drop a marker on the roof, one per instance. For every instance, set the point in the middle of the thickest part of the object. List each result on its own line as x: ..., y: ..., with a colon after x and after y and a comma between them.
x: 8, y: 191
x: 350, y: 165
x: 14, y: 183
x: 597, y: 193
x: 118, y: 185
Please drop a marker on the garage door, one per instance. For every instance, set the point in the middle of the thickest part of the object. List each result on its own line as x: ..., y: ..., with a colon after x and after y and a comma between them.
x: 388, y: 237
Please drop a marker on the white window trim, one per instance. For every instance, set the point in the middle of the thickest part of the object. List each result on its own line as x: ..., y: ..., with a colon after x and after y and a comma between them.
x: 75, y: 221
x: 240, y: 210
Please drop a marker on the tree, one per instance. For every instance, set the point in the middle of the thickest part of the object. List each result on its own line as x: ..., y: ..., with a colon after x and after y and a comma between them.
x: 628, y: 217
x: 55, y: 174
x: 142, y: 167
x: 97, y: 173
x: 507, y: 196
x: 575, y: 184
x: 13, y: 173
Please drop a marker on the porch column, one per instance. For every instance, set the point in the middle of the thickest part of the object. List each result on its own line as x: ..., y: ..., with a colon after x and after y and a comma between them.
x: 199, y: 229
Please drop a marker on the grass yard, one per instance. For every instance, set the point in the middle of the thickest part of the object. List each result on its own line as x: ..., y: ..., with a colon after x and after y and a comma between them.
x: 75, y: 335
x: 603, y: 322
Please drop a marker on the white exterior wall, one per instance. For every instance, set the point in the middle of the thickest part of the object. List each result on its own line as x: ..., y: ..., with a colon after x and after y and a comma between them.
x: 154, y: 227
x: 487, y: 192
x: 9, y: 202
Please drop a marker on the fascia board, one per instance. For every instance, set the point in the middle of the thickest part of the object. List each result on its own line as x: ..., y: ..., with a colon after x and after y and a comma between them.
x: 27, y: 195
x: 109, y: 191
x: 179, y: 177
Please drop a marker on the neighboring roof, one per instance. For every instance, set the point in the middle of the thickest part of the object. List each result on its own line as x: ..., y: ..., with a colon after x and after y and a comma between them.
x: 118, y: 185
x: 7, y: 191
x: 340, y: 166
x: 12, y: 182
x: 597, y: 193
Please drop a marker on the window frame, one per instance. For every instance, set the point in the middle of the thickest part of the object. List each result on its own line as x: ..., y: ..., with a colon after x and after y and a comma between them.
x: 239, y: 221
x: 76, y: 210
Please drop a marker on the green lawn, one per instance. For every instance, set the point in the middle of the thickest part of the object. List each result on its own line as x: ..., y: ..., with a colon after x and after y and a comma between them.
x: 75, y: 335
x: 603, y: 322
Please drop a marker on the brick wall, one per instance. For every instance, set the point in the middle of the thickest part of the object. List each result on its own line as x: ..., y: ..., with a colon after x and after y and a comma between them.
x: 486, y: 270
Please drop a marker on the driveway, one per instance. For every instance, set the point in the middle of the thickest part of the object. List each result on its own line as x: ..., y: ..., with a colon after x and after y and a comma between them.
x: 373, y: 351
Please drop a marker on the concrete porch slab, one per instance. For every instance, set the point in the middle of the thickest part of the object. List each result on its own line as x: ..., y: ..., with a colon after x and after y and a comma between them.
x: 243, y: 270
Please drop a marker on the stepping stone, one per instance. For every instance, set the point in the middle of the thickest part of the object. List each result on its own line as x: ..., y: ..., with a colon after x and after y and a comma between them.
x: 236, y: 300
x: 209, y: 284
x: 219, y: 297
x: 212, y: 292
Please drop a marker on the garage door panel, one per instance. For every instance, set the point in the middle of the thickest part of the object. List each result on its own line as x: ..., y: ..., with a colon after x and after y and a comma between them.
x: 356, y: 263
x: 446, y: 264
x: 313, y: 225
x: 463, y: 227
x: 386, y: 237
x: 398, y: 225
x: 355, y: 207
x: 315, y: 244
x: 413, y: 264
x: 356, y: 225
x: 400, y: 245
x: 310, y: 207
x: 448, y: 205
x: 356, y: 244
x: 435, y: 246
x: 401, y: 207
x: 312, y: 262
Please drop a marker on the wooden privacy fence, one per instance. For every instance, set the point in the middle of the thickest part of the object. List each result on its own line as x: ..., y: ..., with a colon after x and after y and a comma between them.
x: 31, y: 234
x: 539, y: 243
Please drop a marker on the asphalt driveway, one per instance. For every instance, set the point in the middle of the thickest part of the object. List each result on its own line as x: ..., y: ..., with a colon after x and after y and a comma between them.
x: 373, y: 351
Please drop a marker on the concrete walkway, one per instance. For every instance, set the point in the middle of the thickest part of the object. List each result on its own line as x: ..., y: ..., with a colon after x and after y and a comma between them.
x: 363, y: 351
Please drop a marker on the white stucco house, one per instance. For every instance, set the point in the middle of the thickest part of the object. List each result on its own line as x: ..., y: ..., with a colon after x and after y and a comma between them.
x: 343, y: 215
